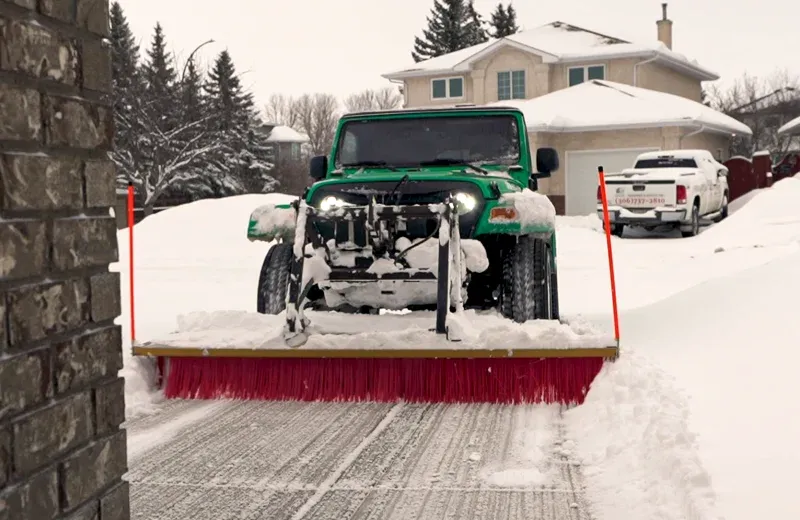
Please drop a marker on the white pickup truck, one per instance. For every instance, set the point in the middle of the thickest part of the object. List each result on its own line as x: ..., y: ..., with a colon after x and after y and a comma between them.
x: 667, y: 189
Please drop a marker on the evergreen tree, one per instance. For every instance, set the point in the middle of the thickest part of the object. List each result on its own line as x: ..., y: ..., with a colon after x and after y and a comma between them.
x: 191, y: 94
x: 161, y: 82
x: 124, y: 59
x: 704, y: 97
x: 504, y: 21
x: 196, y: 182
x: 475, y: 30
x: 228, y: 104
x: 450, y: 28
x: 128, y: 89
x: 165, y: 146
x: 241, y: 162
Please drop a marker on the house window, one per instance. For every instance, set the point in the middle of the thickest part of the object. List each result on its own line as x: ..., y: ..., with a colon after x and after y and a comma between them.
x: 580, y: 74
x: 511, y: 85
x: 447, y: 88
x: 295, y: 151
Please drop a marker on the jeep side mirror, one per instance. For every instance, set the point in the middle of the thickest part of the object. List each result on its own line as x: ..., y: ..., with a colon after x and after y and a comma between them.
x: 546, y: 161
x: 318, y: 168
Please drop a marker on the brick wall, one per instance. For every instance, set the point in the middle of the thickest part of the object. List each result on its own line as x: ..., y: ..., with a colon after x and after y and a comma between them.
x: 62, y: 452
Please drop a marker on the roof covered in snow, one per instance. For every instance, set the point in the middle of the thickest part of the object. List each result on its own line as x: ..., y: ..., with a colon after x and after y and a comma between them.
x: 285, y: 134
x: 790, y: 128
x: 558, y: 42
x: 606, y: 105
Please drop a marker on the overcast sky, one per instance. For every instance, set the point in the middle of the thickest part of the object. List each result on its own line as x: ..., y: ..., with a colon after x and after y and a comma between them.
x: 342, y: 46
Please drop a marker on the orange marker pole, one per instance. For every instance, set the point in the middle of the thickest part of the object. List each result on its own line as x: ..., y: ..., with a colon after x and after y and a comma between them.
x: 130, y: 257
x: 607, y: 226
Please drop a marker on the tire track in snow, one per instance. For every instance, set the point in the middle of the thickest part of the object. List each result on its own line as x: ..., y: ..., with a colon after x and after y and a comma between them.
x: 257, y: 442
x: 141, y: 441
x: 234, y: 453
x: 424, y: 465
x: 328, y: 483
x: 165, y: 411
x: 332, y: 461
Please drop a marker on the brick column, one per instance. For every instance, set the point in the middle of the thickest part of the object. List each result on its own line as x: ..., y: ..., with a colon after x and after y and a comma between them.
x: 62, y: 453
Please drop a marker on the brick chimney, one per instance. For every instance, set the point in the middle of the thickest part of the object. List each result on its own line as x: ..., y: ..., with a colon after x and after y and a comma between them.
x: 665, y: 28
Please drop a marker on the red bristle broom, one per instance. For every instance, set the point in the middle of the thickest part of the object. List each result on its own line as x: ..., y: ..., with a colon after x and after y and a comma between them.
x: 413, y: 375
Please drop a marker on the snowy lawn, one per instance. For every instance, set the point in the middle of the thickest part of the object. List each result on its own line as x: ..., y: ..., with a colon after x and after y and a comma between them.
x: 698, y: 417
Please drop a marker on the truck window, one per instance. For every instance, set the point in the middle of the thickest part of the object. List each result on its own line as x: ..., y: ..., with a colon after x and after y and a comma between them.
x: 407, y: 142
x: 666, y: 162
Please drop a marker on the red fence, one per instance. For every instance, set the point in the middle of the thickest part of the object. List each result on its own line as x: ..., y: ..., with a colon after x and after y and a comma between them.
x: 741, y: 177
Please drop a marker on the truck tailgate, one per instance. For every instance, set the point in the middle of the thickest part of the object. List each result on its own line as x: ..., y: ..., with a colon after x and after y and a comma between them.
x: 640, y: 193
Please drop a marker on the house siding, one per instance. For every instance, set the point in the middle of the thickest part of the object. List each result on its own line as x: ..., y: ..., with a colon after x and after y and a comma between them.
x: 540, y: 78
x: 620, y: 71
x: 657, y: 77
x: 536, y: 74
x: 419, y: 91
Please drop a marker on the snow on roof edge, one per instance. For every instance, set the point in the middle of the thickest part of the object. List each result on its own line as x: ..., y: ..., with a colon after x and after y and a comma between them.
x: 460, y: 60
x: 286, y: 134
x: 790, y: 128
x: 556, y: 112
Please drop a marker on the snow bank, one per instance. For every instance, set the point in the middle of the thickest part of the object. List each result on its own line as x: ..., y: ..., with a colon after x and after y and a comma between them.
x: 633, y: 438
x: 739, y: 203
x: 533, y: 209
x: 192, y: 257
x: 732, y: 344
x: 658, y: 266
x: 141, y: 393
x: 770, y: 217
x: 477, y: 330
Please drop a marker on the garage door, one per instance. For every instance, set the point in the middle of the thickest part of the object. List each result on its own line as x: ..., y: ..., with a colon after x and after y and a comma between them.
x: 581, y: 176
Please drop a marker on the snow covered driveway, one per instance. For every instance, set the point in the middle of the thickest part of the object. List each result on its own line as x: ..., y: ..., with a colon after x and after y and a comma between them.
x: 696, y: 420
x: 254, y: 460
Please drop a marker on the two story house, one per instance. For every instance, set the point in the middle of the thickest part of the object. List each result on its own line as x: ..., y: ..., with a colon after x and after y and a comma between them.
x: 597, y: 99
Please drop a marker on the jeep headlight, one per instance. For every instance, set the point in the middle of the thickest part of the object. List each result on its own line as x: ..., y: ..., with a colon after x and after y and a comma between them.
x: 465, y: 202
x: 331, y: 202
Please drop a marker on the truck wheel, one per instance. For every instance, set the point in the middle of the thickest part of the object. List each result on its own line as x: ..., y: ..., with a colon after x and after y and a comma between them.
x: 273, y: 282
x: 616, y: 229
x: 527, y: 291
x: 724, y: 212
x: 694, y: 230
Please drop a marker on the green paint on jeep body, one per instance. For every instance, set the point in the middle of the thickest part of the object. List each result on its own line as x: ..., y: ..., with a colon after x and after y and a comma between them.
x: 499, y: 179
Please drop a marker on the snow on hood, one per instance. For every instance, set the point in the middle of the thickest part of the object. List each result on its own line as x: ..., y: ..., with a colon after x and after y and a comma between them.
x: 606, y: 105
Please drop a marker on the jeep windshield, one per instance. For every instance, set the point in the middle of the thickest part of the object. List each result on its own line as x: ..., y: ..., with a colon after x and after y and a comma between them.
x: 427, y: 141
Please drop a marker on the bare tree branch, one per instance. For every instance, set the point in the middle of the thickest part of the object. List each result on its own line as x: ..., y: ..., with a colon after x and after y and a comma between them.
x: 386, y: 98
x: 763, y: 104
x: 280, y: 111
x: 166, y: 157
x: 317, y: 116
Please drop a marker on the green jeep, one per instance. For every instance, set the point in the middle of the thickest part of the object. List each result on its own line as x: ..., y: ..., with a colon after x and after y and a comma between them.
x: 416, y: 209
